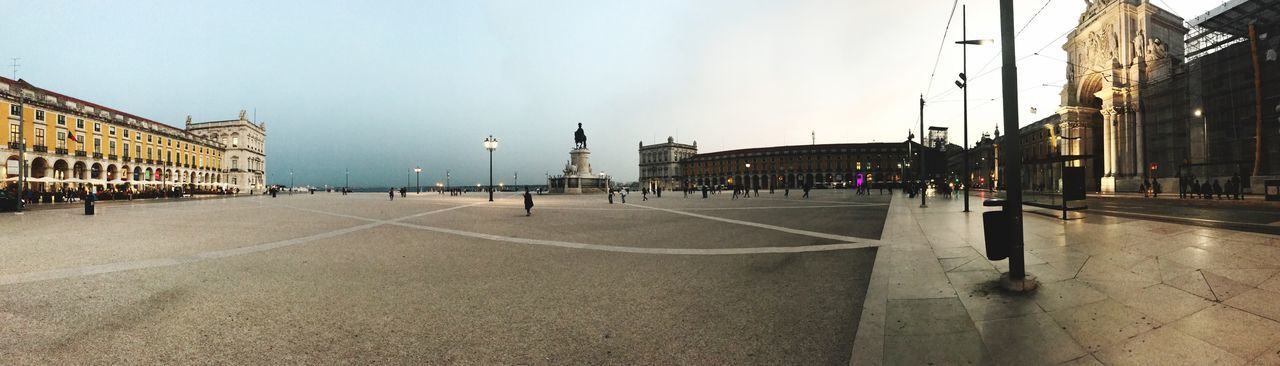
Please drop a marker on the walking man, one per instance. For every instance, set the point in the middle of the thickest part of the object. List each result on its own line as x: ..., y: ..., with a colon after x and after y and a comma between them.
x: 392, y: 193
x: 528, y: 203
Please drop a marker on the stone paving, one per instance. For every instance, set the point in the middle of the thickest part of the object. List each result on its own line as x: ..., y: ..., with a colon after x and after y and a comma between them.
x: 430, y: 279
x: 837, y: 279
x: 1114, y: 291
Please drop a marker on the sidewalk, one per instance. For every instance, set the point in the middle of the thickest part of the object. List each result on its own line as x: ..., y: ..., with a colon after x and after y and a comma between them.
x: 1113, y: 291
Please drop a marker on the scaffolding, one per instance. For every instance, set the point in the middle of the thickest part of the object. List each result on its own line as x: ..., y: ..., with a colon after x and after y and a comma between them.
x: 1227, y: 25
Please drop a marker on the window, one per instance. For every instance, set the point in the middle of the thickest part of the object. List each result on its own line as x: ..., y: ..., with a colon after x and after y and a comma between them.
x: 125, y: 152
x: 235, y: 141
x: 126, y: 133
x: 62, y: 139
x: 80, y: 139
x: 39, y: 136
x: 15, y: 110
x: 137, y: 149
x: 111, y: 144
x: 97, y: 145
x: 80, y: 123
x: 39, y: 115
x: 148, y: 138
x: 235, y: 163
x: 62, y: 120
x: 112, y: 131
x: 148, y: 153
x: 14, y: 136
x: 97, y: 127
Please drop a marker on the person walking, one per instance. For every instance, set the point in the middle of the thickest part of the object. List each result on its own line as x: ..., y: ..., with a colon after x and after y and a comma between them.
x: 1239, y: 186
x: 610, y: 196
x: 391, y: 193
x: 624, y: 195
x: 644, y: 195
x: 528, y: 203
x: 807, y: 187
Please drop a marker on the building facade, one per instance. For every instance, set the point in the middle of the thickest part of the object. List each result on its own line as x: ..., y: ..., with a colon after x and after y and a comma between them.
x: 1151, y: 97
x: 831, y: 165
x: 58, y: 142
x: 245, y: 154
x: 660, y: 164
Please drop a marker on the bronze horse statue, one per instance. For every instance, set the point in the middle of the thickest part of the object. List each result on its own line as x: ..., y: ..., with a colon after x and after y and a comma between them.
x: 579, y: 138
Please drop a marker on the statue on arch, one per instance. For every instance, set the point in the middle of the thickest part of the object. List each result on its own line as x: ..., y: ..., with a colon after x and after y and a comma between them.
x: 579, y: 138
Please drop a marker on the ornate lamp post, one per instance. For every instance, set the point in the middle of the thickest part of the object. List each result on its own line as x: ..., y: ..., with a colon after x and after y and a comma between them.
x: 490, y: 144
x: 418, y: 171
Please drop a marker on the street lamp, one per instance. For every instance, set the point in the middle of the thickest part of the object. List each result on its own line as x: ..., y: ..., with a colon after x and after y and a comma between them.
x: 963, y: 83
x: 748, y: 179
x: 490, y: 144
x: 418, y: 171
x: 1199, y: 113
x: 290, y: 181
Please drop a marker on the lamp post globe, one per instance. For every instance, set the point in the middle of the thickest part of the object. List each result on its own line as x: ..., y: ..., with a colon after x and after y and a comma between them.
x: 490, y: 144
x: 418, y: 183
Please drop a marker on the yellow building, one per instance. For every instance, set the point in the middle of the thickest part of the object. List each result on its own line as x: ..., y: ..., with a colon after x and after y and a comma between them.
x: 72, y: 143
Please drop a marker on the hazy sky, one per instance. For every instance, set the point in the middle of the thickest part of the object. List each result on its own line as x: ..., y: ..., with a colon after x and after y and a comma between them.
x: 382, y: 86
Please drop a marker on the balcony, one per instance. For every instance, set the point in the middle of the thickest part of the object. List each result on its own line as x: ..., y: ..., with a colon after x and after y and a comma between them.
x: 60, y: 151
x: 97, y: 155
x: 137, y: 160
x: 40, y: 148
x: 81, y: 153
x: 113, y: 157
x: 149, y: 161
x: 15, y: 145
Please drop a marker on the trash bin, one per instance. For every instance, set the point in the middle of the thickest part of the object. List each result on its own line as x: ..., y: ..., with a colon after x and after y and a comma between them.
x: 995, y: 226
x: 88, y: 205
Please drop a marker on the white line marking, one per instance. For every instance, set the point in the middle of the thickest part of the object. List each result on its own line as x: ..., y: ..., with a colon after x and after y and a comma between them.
x: 202, y: 256
x: 763, y: 226
x: 642, y: 250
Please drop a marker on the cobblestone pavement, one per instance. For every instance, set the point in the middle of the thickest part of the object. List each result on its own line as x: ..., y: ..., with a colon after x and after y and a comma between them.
x: 430, y: 279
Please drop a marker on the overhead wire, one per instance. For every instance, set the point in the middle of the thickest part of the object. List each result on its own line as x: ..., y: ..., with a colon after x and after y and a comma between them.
x: 942, y: 44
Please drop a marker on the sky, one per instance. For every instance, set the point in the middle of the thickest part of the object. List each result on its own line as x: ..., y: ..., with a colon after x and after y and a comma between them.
x: 377, y: 88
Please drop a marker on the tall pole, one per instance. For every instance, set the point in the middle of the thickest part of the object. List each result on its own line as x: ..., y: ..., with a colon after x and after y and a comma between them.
x: 490, y: 175
x: 290, y: 181
x: 964, y: 67
x: 347, y: 185
x: 446, y: 179
x: 1012, y: 154
x: 418, y: 186
x: 22, y: 143
x: 924, y: 185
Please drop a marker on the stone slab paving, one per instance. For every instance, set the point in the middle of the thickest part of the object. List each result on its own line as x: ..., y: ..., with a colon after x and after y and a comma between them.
x: 1114, y: 291
x: 431, y: 279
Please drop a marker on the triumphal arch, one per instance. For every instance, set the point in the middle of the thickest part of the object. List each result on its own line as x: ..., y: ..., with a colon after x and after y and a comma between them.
x: 1119, y: 48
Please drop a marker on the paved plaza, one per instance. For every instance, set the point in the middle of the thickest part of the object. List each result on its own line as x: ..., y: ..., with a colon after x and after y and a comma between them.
x: 838, y: 279
x: 435, y: 279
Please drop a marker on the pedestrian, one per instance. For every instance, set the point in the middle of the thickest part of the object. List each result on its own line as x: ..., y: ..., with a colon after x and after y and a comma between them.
x: 611, y: 196
x: 392, y: 193
x: 528, y: 203
x: 705, y: 190
x: 807, y: 187
x: 624, y: 195
x: 786, y: 192
x: 644, y: 195
x: 757, y: 191
x: 1239, y: 186
x: 1155, y: 188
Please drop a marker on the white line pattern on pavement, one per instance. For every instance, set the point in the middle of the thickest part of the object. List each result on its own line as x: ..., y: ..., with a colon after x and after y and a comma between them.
x: 176, y: 260
x: 847, y: 244
x: 762, y: 226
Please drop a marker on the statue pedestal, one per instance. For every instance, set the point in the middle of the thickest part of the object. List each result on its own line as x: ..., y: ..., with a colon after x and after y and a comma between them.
x: 578, y: 177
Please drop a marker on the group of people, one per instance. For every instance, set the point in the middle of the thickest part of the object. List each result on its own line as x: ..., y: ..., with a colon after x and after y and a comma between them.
x: 1193, y: 188
x: 74, y: 194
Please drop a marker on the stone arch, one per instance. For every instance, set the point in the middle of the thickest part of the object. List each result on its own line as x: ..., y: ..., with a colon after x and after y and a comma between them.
x: 95, y: 171
x: 137, y: 173
x: 61, y: 169
x: 5, y: 167
x: 124, y: 173
x: 39, y: 168
x: 111, y: 172
x: 79, y: 170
